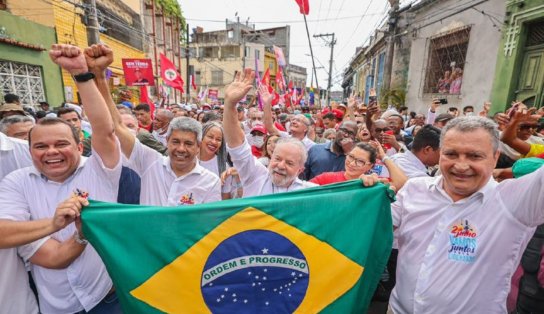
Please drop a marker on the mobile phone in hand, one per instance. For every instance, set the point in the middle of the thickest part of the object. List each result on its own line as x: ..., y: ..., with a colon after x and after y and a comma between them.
x: 443, y: 101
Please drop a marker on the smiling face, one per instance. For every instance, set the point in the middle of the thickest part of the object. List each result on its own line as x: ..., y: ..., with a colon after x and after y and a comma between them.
x: 182, y: 150
x: 212, y: 140
x: 54, y: 151
x: 467, y: 161
x: 285, y: 164
x: 357, y: 162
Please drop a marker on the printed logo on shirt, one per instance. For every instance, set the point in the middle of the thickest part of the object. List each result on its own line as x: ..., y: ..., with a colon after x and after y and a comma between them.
x: 187, y: 199
x: 463, y: 242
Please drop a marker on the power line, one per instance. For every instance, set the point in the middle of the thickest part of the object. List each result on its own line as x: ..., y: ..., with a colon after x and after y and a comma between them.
x: 357, y: 27
x: 290, y: 21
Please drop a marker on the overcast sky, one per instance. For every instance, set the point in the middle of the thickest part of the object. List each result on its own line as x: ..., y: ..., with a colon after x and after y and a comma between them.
x: 352, y: 21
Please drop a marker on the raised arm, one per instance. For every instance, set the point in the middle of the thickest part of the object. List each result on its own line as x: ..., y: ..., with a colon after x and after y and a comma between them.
x: 234, y: 92
x: 509, y: 135
x: 104, y: 142
x: 98, y: 58
x: 267, y: 110
x: 398, y: 178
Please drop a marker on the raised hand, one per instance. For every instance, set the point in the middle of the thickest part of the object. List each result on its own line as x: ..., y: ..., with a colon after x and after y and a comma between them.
x: 266, y: 97
x: 98, y: 58
x: 380, y: 152
x: 236, y: 90
x: 435, y: 105
x: 352, y: 101
x: 70, y: 58
x: 68, y: 211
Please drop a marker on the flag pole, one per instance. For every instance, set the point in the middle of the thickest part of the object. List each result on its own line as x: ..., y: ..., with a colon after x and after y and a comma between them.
x: 313, y: 62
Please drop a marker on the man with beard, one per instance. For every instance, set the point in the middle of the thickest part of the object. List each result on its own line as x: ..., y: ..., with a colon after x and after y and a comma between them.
x: 287, y: 161
x: 176, y: 179
x: 331, y: 156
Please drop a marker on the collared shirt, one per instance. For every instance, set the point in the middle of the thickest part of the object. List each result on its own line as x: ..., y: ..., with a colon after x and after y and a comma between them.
x: 308, y: 143
x: 14, y: 154
x: 161, y: 186
x: 255, y: 177
x: 410, y: 164
x: 458, y: 257
x: 16, y: 297
x: 321, y: 159
x: 26, y: 194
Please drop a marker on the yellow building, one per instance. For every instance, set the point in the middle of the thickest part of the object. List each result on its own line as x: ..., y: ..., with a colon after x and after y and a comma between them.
x: 271, y: 64
x: 67, y: 19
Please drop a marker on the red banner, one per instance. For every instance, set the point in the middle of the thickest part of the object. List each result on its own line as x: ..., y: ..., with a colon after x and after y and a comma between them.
x: 213, y: 93
x: 138, y: 72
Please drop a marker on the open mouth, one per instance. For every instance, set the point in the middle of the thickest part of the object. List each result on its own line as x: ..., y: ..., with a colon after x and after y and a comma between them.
x: 53, y: 162
x: 212, y: 148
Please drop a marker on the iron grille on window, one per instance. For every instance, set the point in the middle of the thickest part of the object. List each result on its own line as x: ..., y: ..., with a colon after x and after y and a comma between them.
x: 536, y: 34
x: 446, y: 61
x: 24, y: 80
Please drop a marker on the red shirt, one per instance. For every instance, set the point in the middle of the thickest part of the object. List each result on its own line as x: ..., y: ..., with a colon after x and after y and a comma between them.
x: 329, y: 178
x: 256, y: 152
x: 149, y: 128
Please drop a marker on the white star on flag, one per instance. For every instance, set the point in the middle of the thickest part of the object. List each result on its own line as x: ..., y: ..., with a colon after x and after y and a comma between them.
x: 265, y: 251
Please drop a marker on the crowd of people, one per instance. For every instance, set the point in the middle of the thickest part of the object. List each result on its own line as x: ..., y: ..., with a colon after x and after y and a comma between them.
x: 463, y: 217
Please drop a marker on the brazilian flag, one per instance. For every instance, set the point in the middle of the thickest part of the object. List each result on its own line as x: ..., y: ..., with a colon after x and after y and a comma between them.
x: 316, y: 250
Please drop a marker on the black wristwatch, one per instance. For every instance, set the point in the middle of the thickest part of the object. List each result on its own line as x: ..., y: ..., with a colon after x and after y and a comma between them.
x: 84, y: 77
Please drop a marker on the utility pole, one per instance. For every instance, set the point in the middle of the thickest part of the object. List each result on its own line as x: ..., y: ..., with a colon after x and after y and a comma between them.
x: 330, y: 44
x: 93, y: 34
x: 390, y: 50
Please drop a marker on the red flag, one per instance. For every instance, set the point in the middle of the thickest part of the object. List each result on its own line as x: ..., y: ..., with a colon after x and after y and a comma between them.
x: 280, y: 81
x: 266, y: 77
x: 193, y: 84
x: 304, y: 6
x: 144, y: 99
x: 169, y: 74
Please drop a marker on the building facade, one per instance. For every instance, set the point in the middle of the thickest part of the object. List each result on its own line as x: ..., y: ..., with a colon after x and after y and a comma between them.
x: 25, y: 67
x: 520, y: 64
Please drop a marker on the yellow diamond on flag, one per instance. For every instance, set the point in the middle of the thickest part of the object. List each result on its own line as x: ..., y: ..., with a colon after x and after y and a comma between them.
x: 252, y: 263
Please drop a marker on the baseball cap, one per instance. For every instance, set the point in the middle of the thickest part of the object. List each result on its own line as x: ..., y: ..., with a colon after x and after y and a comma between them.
x: 206, y: 106
x: 259, y: 128
x: 338, y: 114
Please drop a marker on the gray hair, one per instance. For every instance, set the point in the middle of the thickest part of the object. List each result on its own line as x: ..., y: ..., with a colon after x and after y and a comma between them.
x: 186, y: 124
x: 299, y: 145
x: 473, y: 123
x: 10, y: 120
x: 166, y: 113
x: 328, y: 132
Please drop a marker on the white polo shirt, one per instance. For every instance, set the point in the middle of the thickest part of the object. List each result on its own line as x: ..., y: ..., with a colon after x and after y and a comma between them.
x: 16, y: 297
x: 308, y: 143
x: 410, y: 164
x: 255, y: 177
x: 27, y: 194
x: 161, y: 186
x: 14, y: 154
x: 459, y: 257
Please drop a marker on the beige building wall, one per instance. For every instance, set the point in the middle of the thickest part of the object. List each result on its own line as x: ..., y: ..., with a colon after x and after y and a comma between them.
x: 42, y: 12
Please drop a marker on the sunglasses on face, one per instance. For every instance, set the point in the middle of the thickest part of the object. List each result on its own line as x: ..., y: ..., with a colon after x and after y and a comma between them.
x: 379, y: 130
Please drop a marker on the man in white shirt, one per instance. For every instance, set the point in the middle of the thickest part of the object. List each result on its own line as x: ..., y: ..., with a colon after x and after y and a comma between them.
x: 287, y: 161
x: 14, y: 155
x: 298, y: 127
x: 58, y: 171
x: 161, y: 121
x: 425, y: 153
x: 461, y: 234
x: 172, y: 180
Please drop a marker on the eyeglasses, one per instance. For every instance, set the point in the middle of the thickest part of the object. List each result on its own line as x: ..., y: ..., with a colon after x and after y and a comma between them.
x: 256, y: 118
x: 346, y: 131
x: 528, y: 126
x: 358, y: 162
x: 379, y: 130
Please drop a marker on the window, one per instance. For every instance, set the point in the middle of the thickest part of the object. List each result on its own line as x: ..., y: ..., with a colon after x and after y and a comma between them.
x: 446, y: 62
x: 271, y: 65
x: 230, y: 34
x: 208, y: 52
x: 257, y: 54
x: 24, y: 80
x: 197, y: 78
x: 247, y: 52
x: 230, y: 52
x: 217, y: 77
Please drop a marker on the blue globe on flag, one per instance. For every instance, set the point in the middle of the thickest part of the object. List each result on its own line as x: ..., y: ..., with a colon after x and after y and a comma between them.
x: 256, y: 271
